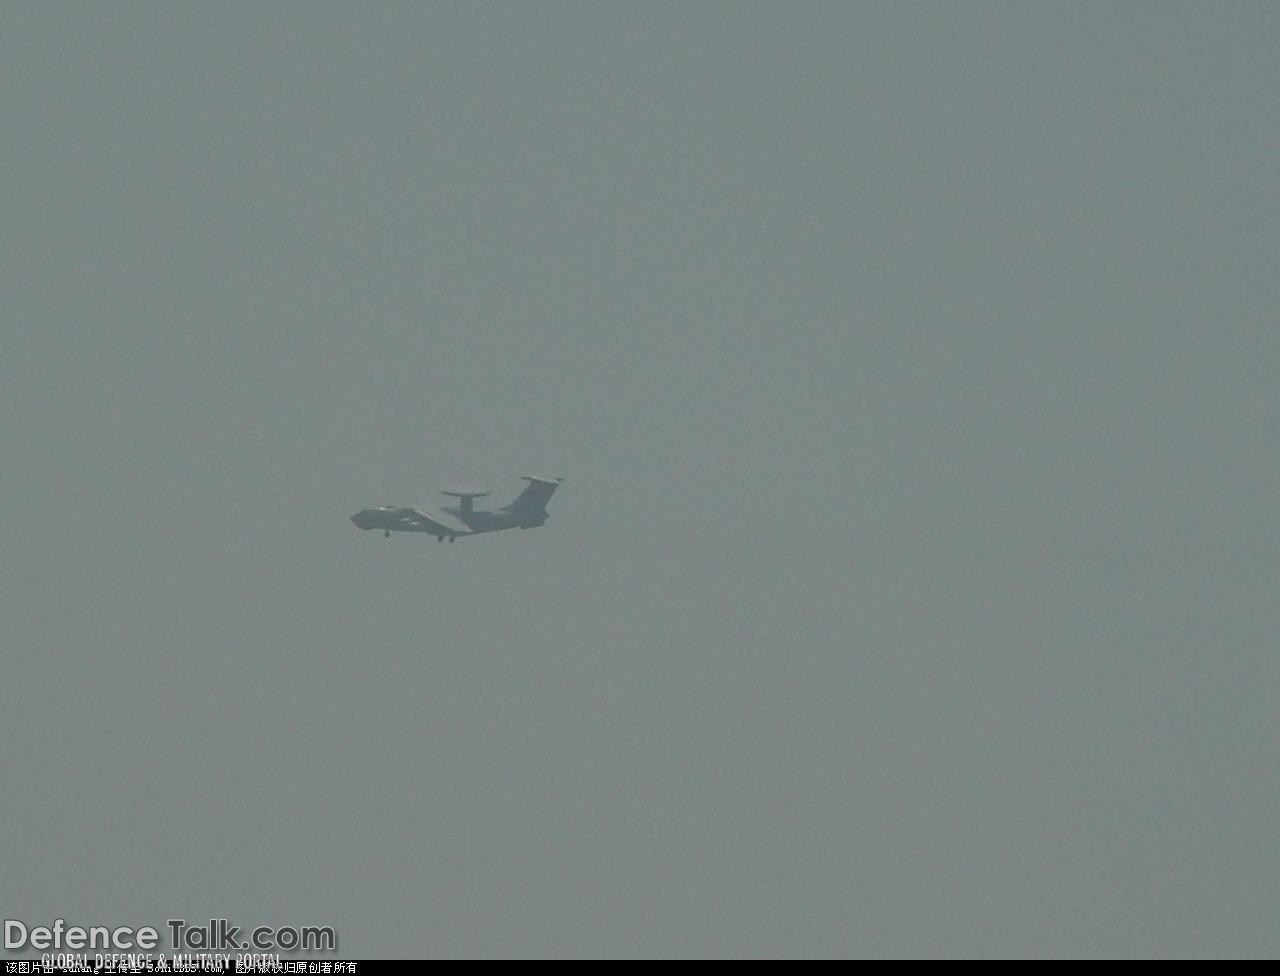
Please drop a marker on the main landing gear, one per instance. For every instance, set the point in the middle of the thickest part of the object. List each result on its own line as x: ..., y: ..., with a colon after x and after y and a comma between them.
x: 386, y: 533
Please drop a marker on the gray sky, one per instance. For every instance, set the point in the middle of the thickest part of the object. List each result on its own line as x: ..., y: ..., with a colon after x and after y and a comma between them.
x: 912, y: 368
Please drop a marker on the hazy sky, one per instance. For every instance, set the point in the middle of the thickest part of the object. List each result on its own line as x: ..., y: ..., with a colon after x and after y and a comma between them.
x: 913, y: 372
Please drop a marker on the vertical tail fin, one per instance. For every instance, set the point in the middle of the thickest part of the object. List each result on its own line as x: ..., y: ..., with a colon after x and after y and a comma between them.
x: 535, y: 496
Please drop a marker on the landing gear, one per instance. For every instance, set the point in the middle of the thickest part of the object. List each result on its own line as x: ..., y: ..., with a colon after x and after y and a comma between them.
x: 452, y: 539
x: 386, y: 533
x: 439, y: 538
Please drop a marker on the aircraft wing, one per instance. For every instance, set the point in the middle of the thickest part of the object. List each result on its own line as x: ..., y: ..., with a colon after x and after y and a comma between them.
x: 431, y: 520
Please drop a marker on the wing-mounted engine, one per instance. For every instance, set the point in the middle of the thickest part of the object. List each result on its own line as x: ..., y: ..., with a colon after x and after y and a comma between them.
x: 466, y: 498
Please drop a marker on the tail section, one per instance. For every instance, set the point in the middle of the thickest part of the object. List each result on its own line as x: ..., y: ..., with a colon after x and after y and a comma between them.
x: 533, y: 500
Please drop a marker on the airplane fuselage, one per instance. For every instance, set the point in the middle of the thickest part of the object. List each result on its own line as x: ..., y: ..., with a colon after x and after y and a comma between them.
x: 390, y: 518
